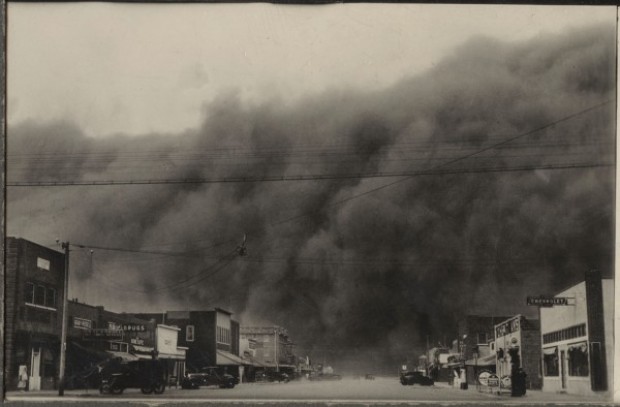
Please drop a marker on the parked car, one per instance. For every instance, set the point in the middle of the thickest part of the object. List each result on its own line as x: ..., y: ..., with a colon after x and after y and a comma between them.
x: 147, y: 375
x: 208, y: 377
x: 272, y: 376
x: 411, y: 378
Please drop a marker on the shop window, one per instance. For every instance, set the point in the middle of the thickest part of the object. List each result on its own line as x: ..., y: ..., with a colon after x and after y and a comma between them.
x: 578, y: 360
x: 551, y: 364
x: 189, y: 333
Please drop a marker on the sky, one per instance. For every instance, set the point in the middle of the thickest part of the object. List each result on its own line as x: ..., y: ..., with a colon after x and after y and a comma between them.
x: 134, y: 69
x: 509, y: 113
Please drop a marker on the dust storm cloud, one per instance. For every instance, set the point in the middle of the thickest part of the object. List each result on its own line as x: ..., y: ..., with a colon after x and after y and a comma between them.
x: 370, y: 276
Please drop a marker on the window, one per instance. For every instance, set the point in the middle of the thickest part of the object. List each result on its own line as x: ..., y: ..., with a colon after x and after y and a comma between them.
x: 50, y: 298
x: 578, y: 360
x: 29, y: 293
x: 222, y: 335
x: 189, y: 333
x: 40, y: 295
x: 550, y: 362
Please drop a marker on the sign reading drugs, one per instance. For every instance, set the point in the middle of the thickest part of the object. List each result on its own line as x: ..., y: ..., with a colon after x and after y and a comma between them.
x: 547, y: 301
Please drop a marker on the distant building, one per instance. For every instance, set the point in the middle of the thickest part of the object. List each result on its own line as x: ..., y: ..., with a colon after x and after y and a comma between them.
x: 577, y: 338
x: 274, y: 349
x: 34, y: 293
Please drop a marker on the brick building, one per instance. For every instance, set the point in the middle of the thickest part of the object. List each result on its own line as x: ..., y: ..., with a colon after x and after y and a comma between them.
x: 34, y: 293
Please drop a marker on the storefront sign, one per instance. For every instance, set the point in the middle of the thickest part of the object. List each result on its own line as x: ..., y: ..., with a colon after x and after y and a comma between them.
x: 547, y: 301
x: 508, y: 327
x: 137, y: 341
x: 103, y: 334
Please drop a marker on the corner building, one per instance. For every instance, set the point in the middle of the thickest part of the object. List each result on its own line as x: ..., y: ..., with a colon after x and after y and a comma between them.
x: 577, y: 338
x: 34, y: 292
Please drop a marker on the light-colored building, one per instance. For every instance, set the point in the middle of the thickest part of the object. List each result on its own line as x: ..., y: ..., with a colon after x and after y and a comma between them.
x: 577, y: 338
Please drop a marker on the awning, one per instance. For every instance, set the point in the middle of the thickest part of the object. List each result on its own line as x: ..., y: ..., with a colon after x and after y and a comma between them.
x: 178, y: 355
x: 550, y: 351
x: 488, y: 360
x: 142, y: 352
x: 224, y: 358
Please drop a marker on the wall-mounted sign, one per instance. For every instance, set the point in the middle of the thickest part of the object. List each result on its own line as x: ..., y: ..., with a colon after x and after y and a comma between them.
x: 103, y: 334
x: 547, y: 301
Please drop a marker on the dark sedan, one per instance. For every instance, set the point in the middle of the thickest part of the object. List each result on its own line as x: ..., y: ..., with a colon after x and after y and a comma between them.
x: 208, y: 377
x: 411, y: 378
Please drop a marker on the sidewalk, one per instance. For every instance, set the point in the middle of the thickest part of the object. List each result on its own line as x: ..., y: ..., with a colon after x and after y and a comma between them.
x: 531, y: 396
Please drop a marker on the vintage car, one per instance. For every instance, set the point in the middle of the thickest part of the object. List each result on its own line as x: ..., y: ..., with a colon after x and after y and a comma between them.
x: 272, y: 376
x: 411, y: 378
x: 208, y: 377
x: 147, y: 375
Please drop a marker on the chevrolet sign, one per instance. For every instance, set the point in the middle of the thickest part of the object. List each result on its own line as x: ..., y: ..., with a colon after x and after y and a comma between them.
x: 547, y: 301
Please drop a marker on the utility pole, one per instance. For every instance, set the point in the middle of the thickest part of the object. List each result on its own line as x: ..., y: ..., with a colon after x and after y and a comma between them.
x: 63, y: 339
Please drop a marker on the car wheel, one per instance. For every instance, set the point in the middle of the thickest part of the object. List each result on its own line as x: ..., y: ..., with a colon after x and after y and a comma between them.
x: 116, y: 390
x: 146, y: 390
x: 159, y: 388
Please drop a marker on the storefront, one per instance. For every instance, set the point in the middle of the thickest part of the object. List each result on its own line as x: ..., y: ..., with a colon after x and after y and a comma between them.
x: 577, y: 338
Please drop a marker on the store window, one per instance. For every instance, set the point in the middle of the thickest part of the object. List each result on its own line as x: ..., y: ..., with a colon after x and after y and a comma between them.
x: 578, y: 360
x: 551, y: 364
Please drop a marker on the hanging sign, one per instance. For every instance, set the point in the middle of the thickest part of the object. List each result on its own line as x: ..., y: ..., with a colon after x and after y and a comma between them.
x: 547, y: 301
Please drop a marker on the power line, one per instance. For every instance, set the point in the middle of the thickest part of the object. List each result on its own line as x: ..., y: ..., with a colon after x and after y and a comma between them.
x: 464, y: 157
x: 315, y: 177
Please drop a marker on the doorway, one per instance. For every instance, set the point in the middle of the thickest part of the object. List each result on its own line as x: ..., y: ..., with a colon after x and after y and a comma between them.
x: 34, y: 381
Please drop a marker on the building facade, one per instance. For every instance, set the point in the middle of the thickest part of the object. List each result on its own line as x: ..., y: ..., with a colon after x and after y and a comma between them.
x: 577, y: 338
x: 211, y: 338
x: 273, y: 347
x: 517, y: 344
x: 34, y: 294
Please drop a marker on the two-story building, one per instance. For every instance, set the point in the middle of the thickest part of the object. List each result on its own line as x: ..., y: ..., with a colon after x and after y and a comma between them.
x: 577, y: 337
x: 34, y: 293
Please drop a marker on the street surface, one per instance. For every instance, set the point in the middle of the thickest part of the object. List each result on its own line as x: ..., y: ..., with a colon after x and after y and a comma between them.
x: 347, y: 391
